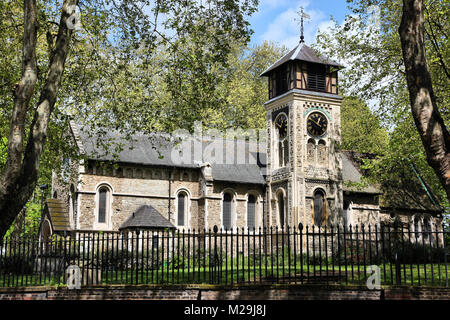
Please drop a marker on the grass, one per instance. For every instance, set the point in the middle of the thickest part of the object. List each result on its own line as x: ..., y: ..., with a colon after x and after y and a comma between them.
x: 232, y: 273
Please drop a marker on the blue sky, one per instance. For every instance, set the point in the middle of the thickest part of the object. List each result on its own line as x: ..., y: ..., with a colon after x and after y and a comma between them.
x: 274, y: 20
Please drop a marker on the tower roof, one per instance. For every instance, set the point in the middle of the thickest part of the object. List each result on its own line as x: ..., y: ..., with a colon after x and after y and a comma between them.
x: 302, y: 53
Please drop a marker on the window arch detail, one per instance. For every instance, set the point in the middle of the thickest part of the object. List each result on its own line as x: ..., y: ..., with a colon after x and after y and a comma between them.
x: 251, y: 211
x: 281, y: 140
x: 281, y: 208
x: 182, y: 208
x: 226, y: 214
x: 319, y: 208
x: 103, y: 207
x: 311, y: 151
x: 427, y: 228
x: 322, y: 154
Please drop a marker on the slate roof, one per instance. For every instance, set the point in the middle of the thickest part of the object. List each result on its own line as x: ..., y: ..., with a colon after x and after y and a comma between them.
x: 409, y: 193
x: 146, y: 217
x: 302, y: 53
x: 150, y: 149
x: 238, y: 173
x: 58, y: 214
x: 352, y: 173
x: 156, y: 149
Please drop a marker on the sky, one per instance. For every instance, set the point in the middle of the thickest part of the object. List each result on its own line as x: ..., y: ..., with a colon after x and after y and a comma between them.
x: 276, y: 20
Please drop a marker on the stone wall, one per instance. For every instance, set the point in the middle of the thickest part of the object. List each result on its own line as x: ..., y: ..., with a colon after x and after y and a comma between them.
x: 135, y: 186
x: 243, y: 292
x: 239, y: 207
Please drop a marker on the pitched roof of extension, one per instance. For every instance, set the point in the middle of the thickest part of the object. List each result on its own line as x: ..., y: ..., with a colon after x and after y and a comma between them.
x: 146, y: 217
x: 56, y: 211
x: 302, y: 53
x: 410, y: 193
x: 352, y: 174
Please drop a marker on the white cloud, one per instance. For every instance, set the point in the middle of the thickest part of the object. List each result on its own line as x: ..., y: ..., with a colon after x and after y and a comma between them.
x: 285, y: 29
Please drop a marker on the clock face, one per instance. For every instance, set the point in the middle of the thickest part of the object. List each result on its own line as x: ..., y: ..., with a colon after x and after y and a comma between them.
x: 316, y: 124
x: 281, y: 126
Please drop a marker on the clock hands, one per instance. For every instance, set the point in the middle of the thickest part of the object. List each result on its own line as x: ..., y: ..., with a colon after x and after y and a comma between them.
x: 318, y: 123
x: 279, y: 125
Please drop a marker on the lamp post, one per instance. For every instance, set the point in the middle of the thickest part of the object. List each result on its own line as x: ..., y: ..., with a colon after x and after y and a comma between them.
x: 24, y: 219
x: 43, y: 187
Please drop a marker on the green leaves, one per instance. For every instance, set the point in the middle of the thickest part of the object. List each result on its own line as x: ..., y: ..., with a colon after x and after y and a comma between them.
x: 361, y: 129
x: 375, y: 74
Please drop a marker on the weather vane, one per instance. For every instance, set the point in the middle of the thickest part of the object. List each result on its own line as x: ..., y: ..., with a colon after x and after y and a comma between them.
x: 303, y: 16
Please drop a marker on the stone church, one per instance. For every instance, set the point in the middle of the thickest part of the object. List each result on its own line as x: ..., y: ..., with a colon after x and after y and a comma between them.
x: 298, y: 175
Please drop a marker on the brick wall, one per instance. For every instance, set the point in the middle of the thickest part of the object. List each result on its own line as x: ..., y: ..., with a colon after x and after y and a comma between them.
x: 205, y: 292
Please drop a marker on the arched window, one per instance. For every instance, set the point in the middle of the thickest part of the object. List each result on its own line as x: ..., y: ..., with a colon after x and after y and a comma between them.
x: 251, y: 211
x: 155, y: 241
x: 226, y: 214
x: 281, y: 209
x: 282, y: 141
x: 181, y: 209
x: 416, y: 227
x: 102, y: 204
x: 322, y: 155
x: 72, y: 204
x: 46, y: 230
x: 66, y: 170
x: 103, y: 214
x: 319, y: 207
x: 426, y: 228
x: 310, y: 151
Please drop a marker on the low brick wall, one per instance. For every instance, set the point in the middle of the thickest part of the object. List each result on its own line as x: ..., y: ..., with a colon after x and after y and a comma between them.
x: 205, y: 292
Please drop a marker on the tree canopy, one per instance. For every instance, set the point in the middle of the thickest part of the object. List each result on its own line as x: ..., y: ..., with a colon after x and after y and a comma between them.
x: 57, y: 62
x: 375, y: 72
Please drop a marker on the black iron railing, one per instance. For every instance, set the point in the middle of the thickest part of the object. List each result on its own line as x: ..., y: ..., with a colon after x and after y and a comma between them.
x: 400, y: 255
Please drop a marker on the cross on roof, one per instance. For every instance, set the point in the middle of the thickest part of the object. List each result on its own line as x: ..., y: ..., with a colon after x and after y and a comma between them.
x: 303, y: 16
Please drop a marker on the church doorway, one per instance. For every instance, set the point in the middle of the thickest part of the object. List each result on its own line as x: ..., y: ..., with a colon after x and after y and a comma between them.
x: 319, y: 200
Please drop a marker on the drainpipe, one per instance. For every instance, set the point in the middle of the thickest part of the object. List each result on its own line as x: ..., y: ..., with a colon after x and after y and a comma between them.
x: 43, y: 187
x: 424, y: 186
x: 170, y: 193
x: 264, y: 205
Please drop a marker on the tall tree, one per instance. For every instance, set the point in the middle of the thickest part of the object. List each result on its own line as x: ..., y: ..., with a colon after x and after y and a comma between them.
x: 114, y: 35
x: 361, y: 129
x: 432, y: 130
x: 20, y: 173
x: 375, y: 72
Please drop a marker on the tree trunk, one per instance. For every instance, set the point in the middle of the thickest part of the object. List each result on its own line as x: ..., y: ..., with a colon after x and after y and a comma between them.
x: 429, y: 123
x: 19, y: 178
x: 19, y: 224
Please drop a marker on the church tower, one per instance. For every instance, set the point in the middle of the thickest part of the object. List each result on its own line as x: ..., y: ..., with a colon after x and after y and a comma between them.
x: 304, y: 169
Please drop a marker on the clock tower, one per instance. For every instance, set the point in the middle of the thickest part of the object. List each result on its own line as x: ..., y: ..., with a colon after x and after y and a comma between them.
x: 304, y: 169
